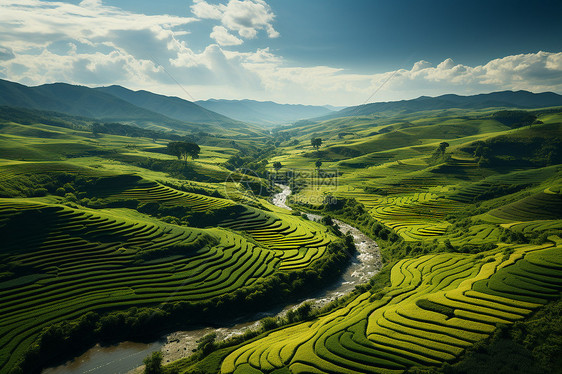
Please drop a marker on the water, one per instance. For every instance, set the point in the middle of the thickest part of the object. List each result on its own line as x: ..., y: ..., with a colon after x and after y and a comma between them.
x: 117, y: 359
x: 127, y: 357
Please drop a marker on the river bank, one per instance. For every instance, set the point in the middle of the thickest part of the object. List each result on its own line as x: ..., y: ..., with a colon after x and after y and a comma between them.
x: 126, y: 357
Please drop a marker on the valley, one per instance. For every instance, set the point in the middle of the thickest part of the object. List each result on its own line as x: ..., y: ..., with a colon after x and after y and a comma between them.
x: 424, y: 229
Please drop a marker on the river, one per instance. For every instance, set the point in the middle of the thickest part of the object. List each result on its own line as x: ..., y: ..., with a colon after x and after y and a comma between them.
x: 127, y: 356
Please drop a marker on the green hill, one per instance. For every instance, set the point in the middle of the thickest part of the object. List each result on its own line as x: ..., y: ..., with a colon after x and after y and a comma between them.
x: 465, y: 204
x: 104, y: 106
x: 107, y: 237
x: 504, y: 99
x: 172, y: 107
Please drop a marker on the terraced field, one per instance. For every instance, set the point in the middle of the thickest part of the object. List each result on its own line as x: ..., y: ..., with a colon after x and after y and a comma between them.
x: 545, y: 205
x: 437, y: 306
x: 75, y: 261
x: 415, y: 216
x: 297, y: 242
x: 155, y: 192
x: 12, y: 169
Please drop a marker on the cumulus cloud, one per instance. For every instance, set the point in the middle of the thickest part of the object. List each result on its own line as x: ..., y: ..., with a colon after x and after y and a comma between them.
x: 537, y: 72
x: 202, y: 9
x: 95, y: 44
x: 32, y: 22
x: 541, y: 71
x: 223, y: 37
x: 246, y: 17
x: 99, y: 42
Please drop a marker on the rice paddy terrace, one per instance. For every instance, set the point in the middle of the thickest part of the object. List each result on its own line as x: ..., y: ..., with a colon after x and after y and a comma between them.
x: 74, y: 261
x: 60, y: 262
x: 295, y: 241
x: 484, y: 214
x: 61, y: 259
x: 436, y: 306
x: 414, y: 216
x: 453, y: 295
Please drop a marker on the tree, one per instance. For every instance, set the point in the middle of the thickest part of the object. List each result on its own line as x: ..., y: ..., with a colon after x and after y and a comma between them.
x: 318, y: 164
x: 153, y: 363
x: 277, y: 165
x: 442, y: 147
x: 439, y: 153
x: 183, y: 150
x: 206, y: 344
x: 316, y: 143
x: 96, y: 129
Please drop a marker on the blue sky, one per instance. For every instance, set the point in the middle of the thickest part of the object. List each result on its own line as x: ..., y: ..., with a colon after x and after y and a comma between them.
x: 289, y: 51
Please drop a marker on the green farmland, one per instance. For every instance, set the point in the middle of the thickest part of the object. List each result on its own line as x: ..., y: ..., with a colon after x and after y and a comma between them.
x: 472, y: 244
x: 434, y: 308
x: 109, y: 237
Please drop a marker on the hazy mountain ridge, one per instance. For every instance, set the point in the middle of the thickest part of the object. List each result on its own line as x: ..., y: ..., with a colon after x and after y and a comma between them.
x: 73, y: 100
x: 170, y: 106
x: 508, y: 99
x: 263, y: 112
x: 104, y: 106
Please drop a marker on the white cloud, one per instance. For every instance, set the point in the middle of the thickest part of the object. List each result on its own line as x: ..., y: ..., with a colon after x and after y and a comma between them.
x: 101, y: 42
x: 541, y: 71
x: 95, y: 44
x: 223, y: 37
x: 90, y: 3
x: 30, y: 23
x: 202, y: 9
x: 246, y: 17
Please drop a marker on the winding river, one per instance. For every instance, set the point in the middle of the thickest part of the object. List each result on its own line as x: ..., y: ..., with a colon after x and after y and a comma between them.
x: 127, y: 356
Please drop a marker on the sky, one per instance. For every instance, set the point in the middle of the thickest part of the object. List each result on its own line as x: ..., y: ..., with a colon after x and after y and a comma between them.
x: 342, y: 53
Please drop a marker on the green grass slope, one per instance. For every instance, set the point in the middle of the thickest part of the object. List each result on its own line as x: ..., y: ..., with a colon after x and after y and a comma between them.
x: 475, y: 232
x: 108, y: 224
x: 437, y: 306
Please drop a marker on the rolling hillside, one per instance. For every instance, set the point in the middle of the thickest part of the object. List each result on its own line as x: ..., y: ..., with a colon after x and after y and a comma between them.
x: 465, y: 205
x: 504, y: 99
x: 124, y: 230
x: 104, y: 106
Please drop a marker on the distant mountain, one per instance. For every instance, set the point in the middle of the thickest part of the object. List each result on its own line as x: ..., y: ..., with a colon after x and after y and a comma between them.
x: 103, y: 106
x: 263, y: 112
x: 509, y: 99
x: 334, y: 108
x: 170, y: 106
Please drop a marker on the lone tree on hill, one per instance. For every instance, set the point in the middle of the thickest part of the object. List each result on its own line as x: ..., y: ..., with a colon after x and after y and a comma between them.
x: 318, y: 164
x: 439, y: 153
x: 277, y: 165
x: 316, y: 143
x: 183, y: 150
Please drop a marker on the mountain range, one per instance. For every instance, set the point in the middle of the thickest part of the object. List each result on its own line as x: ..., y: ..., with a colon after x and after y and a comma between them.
x: 150, y: 110
x: 502, y: 99
x: 117, y: 104
x: 265, y: 113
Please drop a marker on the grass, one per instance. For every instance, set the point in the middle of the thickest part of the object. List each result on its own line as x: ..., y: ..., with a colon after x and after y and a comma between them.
x: 476, y: 239
x: 404, y: 331
x: 439, y: 304
x: 89, y: 260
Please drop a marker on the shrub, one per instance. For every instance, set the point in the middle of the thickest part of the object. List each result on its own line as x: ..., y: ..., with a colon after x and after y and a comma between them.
x: 268, y: 323
x: 39, y: 192
x: 207, y: 344
x: 153, y: 363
